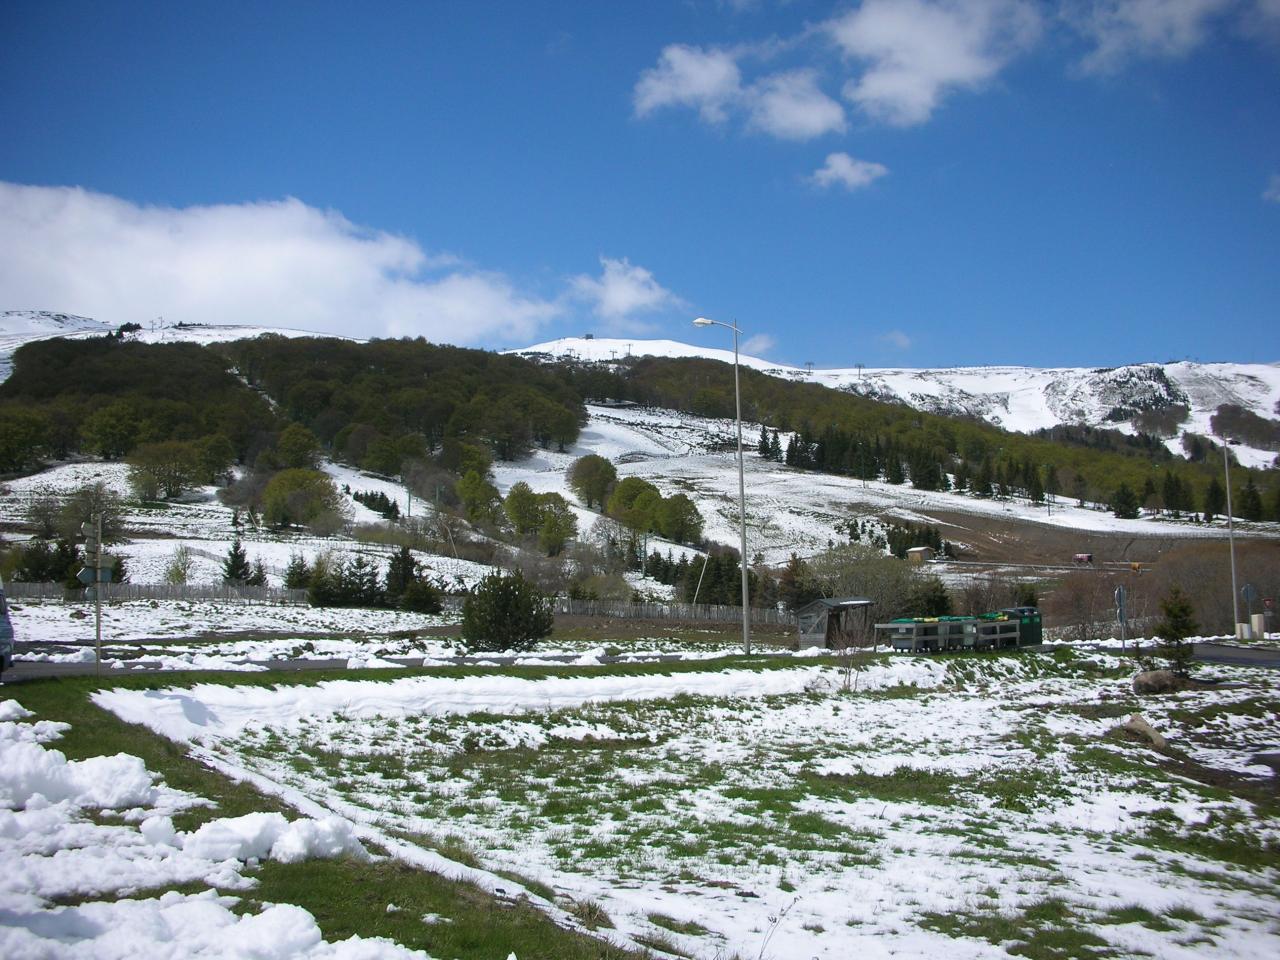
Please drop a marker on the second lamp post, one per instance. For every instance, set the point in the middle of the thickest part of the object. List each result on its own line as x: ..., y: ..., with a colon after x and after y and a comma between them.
x: 742, y: 488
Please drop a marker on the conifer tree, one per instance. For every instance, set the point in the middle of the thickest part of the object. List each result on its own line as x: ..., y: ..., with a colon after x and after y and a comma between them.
x: 1214, y: 500
x: 762, y: 447
x: 1179, y: 623
x: 1035, y: 490
x: 1250, y: 501
x: 235, y: 569
x: 1051, y: 485
x: 297, y: 574
x: 401, y: 571
x: 1124, y: 503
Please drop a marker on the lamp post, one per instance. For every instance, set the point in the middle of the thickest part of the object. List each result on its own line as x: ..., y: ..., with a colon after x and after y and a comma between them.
x: 742, y: 487
x: 1231, y: 539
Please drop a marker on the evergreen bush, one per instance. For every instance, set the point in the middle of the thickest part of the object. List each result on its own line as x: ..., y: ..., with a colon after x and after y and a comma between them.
x: 505, y: 612
x: 1179, y: 623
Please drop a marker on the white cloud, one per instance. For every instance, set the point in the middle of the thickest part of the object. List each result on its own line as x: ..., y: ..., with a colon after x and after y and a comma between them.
x: 896, y: 338
x: 759, y: 345
x: 848, y: 172
x: 1122, y: 30
x: 622, y: 291
x: 790, y: 106
x: 279, y: 263
x: 1272, y: 192
x: 917, y: 51
x: 704, y: 80
x: 1261, y: 20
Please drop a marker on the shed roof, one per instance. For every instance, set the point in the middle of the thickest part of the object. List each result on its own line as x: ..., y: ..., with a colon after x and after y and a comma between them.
x: 836, y: 603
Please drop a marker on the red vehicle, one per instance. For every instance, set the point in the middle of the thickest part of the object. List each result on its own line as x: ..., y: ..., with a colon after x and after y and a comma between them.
x: 1083, y: 559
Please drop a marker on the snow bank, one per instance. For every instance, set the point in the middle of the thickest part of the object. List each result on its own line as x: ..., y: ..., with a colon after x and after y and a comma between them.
x: 258, y: 836
x: 29, y: 770
x: 13, y: 710
x: 216, y: 711
x: 179, y: 926
x: 49, y: 849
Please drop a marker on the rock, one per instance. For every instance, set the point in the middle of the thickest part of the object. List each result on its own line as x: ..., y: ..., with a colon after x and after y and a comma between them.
x: 1159, y: 681
x: 1135, y: 724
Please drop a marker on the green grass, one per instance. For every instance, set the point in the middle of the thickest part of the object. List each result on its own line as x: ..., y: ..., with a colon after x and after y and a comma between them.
x: 1048, y: 930
x: 903, y: 785
x: 687, y: 927
x: 350, y: 897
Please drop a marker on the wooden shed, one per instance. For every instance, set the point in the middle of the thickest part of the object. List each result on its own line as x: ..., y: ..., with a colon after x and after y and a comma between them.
x: 920, y: 554
x: 835, y: 623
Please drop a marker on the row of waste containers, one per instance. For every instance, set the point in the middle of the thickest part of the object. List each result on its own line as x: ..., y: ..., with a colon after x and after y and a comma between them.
x: 1001, y: 629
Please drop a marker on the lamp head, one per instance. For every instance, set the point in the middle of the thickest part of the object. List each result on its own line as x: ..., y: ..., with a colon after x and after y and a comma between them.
x: 703, y: 322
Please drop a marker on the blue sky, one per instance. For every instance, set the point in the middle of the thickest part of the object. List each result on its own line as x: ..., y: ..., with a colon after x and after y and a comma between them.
x: 908, y: 183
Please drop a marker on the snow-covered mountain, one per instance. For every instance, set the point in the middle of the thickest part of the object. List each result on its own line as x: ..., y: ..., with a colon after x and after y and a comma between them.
x: 1022, y: 399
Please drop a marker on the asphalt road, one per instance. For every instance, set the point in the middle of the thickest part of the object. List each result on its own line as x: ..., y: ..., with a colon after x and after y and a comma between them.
x: 1242, y: 656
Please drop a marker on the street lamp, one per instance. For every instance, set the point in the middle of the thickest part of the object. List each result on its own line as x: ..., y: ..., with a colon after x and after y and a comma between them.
x: 742, y: 486
x: 1231, y: 538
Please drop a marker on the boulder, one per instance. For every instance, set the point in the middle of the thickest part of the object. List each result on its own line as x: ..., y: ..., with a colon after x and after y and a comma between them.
x: 1136, y: 725
x: 1159, y: 681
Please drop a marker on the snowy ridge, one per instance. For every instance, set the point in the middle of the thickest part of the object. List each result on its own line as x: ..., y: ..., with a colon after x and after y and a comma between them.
x: 24, y: 326
x: 1022, y: 399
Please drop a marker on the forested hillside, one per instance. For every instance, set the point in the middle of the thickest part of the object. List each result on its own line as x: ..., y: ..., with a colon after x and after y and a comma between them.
x: 839, y: 432
x: 106, y: 396
x: 384, y: 404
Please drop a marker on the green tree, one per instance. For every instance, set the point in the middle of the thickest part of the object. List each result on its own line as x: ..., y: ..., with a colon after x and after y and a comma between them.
x: 1178, y: 624
x: 930, y: 598
x: 236, y: 569
x: 1250, y: 501
x: 592, y: 478
x: 1035, y: 489
x: 294, y: 497
x: 558, y: 524
x: 421, y: 596
x: 258, y: 576
x: 297, y: 448
x: 625, y: 493
x: 166, y: 469
x: 677, y: 518
x: 1215, y: 500
x: 480, y: 500
x: 401, y: 571
x: 505, y: 612
x: 111, y: 431
x: 523, y: 508
x: 1124, y: 502
x: 22, y: 438
x: 214, y: 455
x: 297, y: 575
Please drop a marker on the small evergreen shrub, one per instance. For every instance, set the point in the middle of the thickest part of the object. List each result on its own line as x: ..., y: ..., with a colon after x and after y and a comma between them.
x: 506, y: 612
x: 421, y: 596
x: 1179, y: 623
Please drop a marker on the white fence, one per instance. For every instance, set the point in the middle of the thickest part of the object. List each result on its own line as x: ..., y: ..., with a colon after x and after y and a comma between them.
x: 157, y: 591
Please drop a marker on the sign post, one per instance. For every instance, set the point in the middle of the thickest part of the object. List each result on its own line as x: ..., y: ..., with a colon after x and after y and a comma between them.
x: 96, y: 577
x: 1122, y: 615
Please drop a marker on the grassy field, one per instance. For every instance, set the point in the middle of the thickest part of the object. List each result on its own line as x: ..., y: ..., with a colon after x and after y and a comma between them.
x: 992, y: 811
